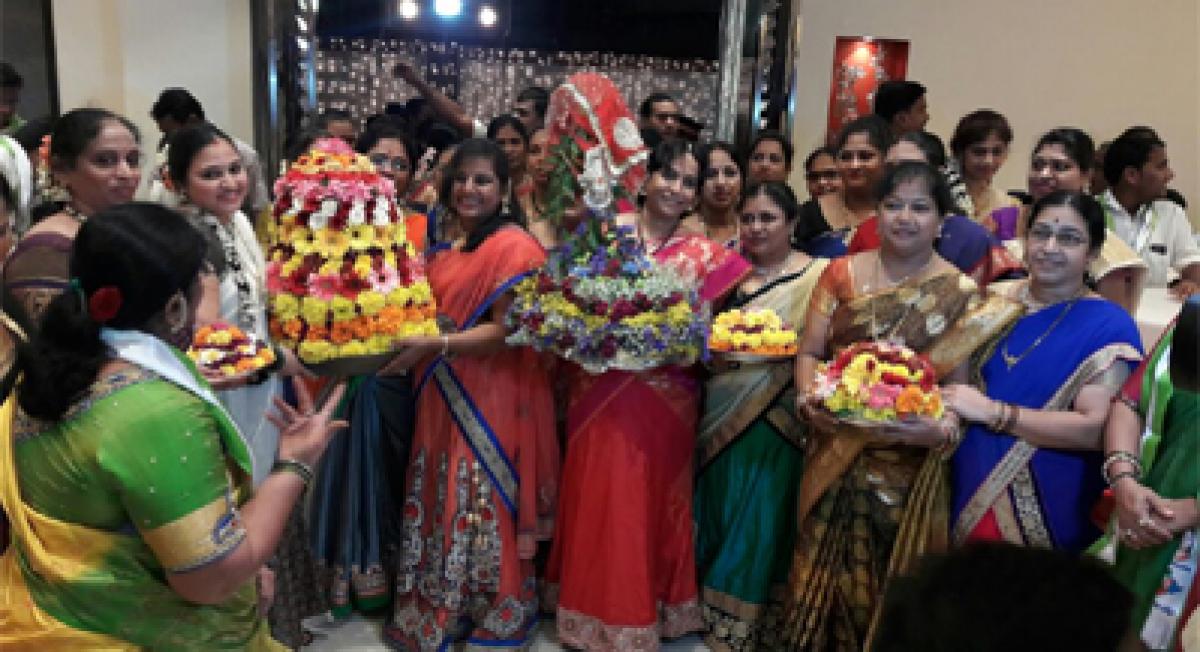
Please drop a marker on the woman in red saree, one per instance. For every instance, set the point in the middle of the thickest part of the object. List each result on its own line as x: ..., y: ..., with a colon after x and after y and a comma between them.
x: 623, y: 566
x: 484, y: 456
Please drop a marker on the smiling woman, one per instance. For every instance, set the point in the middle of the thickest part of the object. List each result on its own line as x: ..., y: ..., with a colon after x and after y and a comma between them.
x: 94, y: 157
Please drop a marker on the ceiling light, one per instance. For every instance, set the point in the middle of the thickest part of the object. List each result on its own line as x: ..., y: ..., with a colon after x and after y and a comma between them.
x: 487, y: 16
x: 448, y: 8
x: 409, y: 9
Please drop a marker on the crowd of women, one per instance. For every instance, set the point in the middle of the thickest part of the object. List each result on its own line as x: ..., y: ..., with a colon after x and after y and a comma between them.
x: 470, y: 486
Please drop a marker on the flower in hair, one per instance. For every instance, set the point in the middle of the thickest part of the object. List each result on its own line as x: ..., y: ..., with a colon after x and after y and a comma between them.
x: 104, y: 304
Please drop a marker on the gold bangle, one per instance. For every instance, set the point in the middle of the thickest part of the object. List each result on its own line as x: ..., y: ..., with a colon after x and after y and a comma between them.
x: 300, y: 469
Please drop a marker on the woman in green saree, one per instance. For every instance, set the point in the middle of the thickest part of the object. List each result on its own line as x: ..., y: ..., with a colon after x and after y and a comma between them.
x: 1152, y: 443
x: 127, y: 485
x: 871, y: 502
x: 750, y: 445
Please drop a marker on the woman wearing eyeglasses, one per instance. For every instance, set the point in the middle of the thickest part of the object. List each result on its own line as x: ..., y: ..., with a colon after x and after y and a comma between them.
x: 821, y: 174
x: 1028, y: 469
x: 750, y: 445
x: 828, y: 223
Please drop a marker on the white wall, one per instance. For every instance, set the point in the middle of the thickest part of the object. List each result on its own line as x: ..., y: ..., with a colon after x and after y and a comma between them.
x: 119, y: 54
x: 1101, y: 65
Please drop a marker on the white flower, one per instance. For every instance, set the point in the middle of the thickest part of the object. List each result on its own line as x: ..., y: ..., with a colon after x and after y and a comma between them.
x: 358, y: 214
x: 329, y: 208
x: 383, y: 215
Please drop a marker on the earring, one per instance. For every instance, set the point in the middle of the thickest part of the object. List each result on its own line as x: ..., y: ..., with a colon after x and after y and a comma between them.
x: 176, y: 313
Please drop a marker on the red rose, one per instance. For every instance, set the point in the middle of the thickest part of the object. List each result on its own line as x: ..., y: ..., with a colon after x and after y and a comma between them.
x: 104, y: 304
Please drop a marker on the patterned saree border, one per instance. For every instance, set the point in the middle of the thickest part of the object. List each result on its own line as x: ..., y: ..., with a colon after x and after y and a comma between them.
x: 586, y: 632
x: 1014, y: 465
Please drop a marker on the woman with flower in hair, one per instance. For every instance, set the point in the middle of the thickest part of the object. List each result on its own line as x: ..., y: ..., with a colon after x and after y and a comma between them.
x: 870, y: 503
x: 631, y: 435
x: 92, y: 162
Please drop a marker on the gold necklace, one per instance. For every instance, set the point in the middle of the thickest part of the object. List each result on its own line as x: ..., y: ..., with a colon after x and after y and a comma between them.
x: 1011, y: 360
x: 879, y: 271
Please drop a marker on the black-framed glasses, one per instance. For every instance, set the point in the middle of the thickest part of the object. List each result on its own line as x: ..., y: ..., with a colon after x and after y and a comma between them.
x: 396, y: 163
x: 823, y: 175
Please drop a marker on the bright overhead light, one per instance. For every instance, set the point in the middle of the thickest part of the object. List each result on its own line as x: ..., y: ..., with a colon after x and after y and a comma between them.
x: 409, y: 9
x: 448, y: 8
x: 487, y: 16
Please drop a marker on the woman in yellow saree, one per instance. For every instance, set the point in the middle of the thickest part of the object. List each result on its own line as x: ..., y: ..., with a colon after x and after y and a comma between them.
x: 870, y: 503
x: 127, y: 485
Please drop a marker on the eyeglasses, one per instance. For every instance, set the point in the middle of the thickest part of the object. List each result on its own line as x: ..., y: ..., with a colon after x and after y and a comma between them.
x: 766, y: 219
x: 1067, y: 238
x: 397, y: 163
x: 823, y: 175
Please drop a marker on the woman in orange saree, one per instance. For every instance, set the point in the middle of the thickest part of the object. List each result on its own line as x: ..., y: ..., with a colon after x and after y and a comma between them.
x: 623, y: 569
x: 481, y: 475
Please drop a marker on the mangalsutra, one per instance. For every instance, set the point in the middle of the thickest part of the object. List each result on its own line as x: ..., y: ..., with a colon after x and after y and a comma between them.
x: 880, y: 271
x: 1011, y: 360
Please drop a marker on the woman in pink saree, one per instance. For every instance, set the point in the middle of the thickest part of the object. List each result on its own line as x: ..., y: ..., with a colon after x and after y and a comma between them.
x: 623, y: 564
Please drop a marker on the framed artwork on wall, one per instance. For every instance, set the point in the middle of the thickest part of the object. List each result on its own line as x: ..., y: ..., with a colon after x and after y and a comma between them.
x: 860, y: 64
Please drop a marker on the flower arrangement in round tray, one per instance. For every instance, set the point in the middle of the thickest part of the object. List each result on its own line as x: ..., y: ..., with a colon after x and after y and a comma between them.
x: 872, y: 383
x: 344, y: 280
x: 229, y: 351
x: 754, y: 335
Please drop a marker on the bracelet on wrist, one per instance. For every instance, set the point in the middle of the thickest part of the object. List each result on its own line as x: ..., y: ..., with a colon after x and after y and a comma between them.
x: 296, y: 467
x: 1117, y: 457
x: 1112, y: 482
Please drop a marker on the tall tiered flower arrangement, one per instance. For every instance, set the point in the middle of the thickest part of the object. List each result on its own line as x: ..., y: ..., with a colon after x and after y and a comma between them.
x: 344, y: 280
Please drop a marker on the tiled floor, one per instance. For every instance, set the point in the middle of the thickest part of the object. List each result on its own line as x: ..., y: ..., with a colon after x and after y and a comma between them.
x: 359, y: 635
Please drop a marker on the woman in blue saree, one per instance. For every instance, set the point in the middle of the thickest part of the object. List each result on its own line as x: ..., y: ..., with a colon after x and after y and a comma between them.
x: 1028, y: 469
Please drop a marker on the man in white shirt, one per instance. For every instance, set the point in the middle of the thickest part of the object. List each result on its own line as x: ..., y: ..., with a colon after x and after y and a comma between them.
x: 1138, y: 171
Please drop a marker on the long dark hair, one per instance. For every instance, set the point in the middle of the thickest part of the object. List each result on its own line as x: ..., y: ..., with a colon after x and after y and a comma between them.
x: 144, y: 250
x: 70, y: 137
x: 490, y: 151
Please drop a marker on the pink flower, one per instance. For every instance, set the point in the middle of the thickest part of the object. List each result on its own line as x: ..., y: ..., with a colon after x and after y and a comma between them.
x: 324, y: 286
x: 274, y: 280
x: 384, y: 279
x: 882, y: 396
x: 332, y: 145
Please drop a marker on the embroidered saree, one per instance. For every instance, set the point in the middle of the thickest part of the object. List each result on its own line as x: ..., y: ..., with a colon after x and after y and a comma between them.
x: 1159, y: 576
x: 139, y: 478
x: 482, y: 471
x: 622, y: 569
x: 867, y: 510
x: 750, y: 454
x: 37, y: 271
x: 1003, y: 488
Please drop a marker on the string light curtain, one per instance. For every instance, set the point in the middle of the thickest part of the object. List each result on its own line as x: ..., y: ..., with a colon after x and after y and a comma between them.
x: 355, y: 75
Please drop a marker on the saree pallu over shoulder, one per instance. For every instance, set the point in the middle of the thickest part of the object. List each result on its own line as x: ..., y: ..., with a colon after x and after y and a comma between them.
x: 943, y: 317
x: 1030, y: 497
x: 68, y: 586
x: 867, y: 511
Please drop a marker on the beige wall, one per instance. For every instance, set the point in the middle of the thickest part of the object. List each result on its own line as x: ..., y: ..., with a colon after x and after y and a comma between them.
x: 119, y: 54
x: 1101, y: 65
